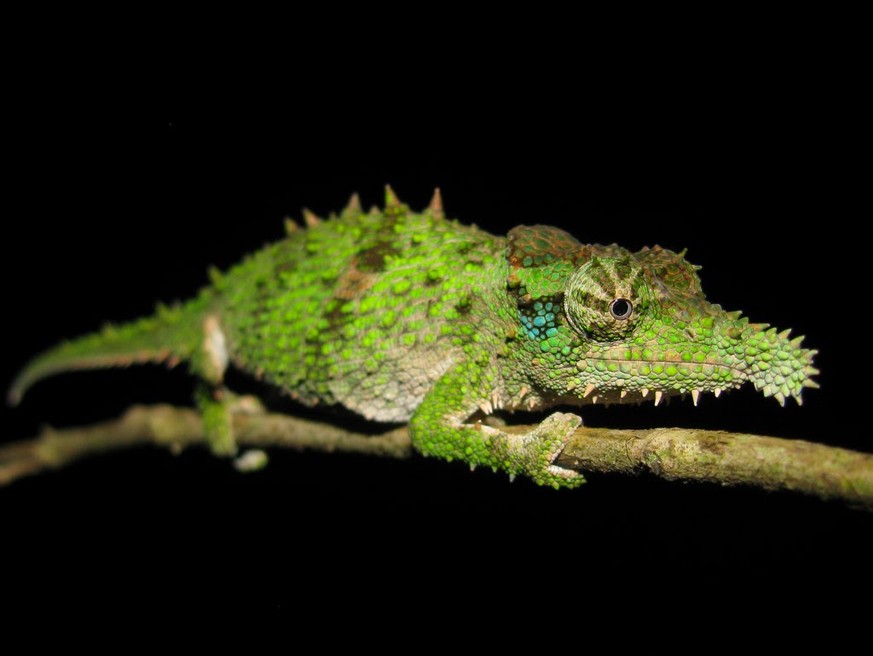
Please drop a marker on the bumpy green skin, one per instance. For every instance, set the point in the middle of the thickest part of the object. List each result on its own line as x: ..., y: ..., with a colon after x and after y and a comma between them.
x: 411, y: 317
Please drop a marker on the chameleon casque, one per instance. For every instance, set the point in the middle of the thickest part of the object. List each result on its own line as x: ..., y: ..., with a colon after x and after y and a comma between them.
x: 407, y: 317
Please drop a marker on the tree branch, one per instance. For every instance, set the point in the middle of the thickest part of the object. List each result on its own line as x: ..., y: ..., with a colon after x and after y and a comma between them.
x: 728, y: 459
x: 671, y: 453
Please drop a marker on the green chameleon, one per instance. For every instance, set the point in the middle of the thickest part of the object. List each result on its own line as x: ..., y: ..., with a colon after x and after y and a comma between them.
x: 406, y: 317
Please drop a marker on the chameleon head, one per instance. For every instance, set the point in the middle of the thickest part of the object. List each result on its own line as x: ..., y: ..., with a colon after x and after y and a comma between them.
x: 627, y: 326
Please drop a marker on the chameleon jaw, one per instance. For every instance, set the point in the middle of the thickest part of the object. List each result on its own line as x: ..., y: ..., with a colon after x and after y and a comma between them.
x: 777, y: 387
x: 776, y: 365
x: 619, y: 395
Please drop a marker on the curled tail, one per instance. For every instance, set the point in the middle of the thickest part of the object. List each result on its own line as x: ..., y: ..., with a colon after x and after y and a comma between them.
x: 171, y: 335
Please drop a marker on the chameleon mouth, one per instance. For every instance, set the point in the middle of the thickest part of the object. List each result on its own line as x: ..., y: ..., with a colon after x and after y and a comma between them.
x: 726, y: 358
x: 638, y: 381
x: 620, y: 395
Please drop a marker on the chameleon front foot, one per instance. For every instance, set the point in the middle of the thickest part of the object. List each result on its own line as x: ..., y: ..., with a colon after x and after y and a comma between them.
x: 533, y: 453
x: 530, y: 454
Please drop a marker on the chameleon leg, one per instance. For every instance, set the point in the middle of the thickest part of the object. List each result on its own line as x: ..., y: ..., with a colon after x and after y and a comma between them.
x: 213, y: 400
x: 215, y: 405
x: 437, y: 429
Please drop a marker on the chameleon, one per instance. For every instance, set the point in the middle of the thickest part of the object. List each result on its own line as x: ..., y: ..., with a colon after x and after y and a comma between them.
x: 406, y: 317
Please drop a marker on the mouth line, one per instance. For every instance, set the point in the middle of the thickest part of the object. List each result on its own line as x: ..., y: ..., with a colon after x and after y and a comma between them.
x: 619, y: 396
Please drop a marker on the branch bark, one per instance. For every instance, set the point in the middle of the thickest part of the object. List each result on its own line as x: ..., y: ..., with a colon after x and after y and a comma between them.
x: 671, y: 453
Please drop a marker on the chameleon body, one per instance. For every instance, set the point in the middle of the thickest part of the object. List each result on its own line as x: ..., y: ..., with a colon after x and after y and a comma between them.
x: 411, y: 317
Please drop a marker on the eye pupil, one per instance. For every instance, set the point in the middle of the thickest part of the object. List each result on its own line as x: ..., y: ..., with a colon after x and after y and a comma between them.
x: 621, y: 308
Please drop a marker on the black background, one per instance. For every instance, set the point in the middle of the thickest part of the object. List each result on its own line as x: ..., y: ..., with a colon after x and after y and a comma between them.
x: 117, y: 214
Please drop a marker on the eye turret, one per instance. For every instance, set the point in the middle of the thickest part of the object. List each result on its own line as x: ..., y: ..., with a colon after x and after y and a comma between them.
x: 606, y: 298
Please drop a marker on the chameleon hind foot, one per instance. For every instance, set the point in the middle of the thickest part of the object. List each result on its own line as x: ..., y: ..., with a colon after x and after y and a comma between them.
x: 216, y: 409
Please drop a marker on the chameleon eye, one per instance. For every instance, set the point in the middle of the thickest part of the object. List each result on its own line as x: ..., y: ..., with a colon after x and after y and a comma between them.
x: 621, y: 309
x: 606, y: 299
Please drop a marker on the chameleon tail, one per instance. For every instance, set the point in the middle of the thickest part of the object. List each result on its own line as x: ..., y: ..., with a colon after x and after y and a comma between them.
x: 171, y: 335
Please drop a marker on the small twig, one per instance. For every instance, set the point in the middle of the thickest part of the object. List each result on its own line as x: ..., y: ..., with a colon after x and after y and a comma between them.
x: 671, y: 453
